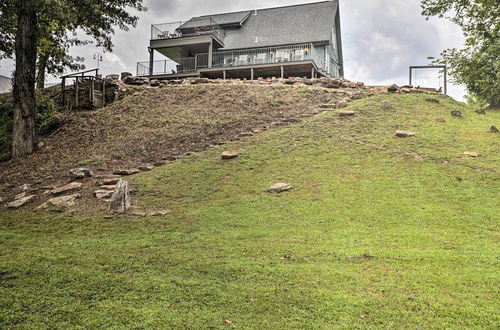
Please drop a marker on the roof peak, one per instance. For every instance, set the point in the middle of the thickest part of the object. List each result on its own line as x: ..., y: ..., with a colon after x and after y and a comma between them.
x: 267, y: 8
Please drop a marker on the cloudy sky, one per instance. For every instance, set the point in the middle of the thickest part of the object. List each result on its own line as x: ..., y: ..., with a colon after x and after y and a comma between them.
x: 381, y: 38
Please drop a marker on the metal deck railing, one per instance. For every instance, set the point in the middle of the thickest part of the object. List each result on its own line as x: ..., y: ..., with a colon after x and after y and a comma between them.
x: 191, y: 28
x: 239, y: 58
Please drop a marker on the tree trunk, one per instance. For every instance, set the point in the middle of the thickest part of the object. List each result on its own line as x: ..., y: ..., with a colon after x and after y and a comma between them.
x: 40, y: 71
x: 24, y: 135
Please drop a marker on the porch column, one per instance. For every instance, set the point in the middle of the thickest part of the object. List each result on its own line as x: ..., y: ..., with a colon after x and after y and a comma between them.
x: 224, y: 74
x: 151, y: 61
x: 251, y: 74
x: 282, y: 72
x: 210, y: 50
x: 312, y: 72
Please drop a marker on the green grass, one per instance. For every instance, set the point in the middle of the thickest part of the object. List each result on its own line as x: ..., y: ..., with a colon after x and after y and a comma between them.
x: 427, y: 216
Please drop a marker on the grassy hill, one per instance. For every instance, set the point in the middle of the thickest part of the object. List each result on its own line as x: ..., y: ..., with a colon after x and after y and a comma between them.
x: 378, y: 232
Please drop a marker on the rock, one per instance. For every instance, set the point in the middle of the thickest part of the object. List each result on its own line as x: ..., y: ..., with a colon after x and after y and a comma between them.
x: 1, y: 200
x: 113, y: 76
x: 360, y: 84
x: 25, y: 187
x: 471, y: 154
x: 158, y: 213
x: 393, y: 89
x: 108, y: 187
x: 20, y: 202
x: 328, y: 106
x: 109, y: 182
x: 341, y: 104
x: 332, y: 86
x: 127, y: 172
x: 136, y: 80
x: 120, y: 200
x: 405, y: 134
x: 430, y: 100
x: 161, y: 163
x: 280, y: 187
x: 387, y: 105
x: 456, y: 113
x: 103, y: 194
x: 493, y: 129
x: 229, y: 155
x: 245, y: 134
x: 346, y: 113
x: 480, y: 111
x: 146, y: 168
x: 200, y: 81
x: 154, y: 83
x: 137, y: 213
x: 440, y: 120
x: 81, y: 172
x: 125, y: 75
x: 64, y: 201
x: 40, y: 145
x: 21, y: 195
x: 67, y: 188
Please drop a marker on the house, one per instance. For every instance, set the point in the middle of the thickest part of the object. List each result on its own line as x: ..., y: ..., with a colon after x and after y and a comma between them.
x: 5, y: 84
x: 291, y: 41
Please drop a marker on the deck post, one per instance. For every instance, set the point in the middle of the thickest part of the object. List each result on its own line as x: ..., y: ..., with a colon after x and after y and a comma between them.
x: 251, y: 74
x: 445, y: 80
x: 63, y: 88
x: 151, y: 61
x: 312, y: 72
x: 282, y: 72
x: 103, y: 92
x: 210, y: 50
x: 224, y: 74
x: 76, y: 92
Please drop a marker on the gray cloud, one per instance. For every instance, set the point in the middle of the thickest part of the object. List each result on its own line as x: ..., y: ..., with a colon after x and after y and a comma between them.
x: 381, y: 38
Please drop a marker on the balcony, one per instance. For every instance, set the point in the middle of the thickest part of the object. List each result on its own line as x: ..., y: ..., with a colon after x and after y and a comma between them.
x: 242, y: 58
x: 192, y: 28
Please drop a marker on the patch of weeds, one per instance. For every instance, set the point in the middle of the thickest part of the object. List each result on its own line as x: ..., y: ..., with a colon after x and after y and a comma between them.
x: 211, y: 122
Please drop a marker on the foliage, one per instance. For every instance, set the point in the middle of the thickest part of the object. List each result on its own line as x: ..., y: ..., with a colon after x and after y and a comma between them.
x: 478, y: 65
x: 370, y: 238
x: 49, y: 118
x: 474, y: 101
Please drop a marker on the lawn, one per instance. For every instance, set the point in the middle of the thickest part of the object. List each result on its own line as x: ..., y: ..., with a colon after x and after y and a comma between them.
x: 378, y: 232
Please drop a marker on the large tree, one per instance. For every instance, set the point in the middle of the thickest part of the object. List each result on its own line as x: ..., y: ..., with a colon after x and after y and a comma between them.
x: 44, y: 30
x: 477, y: 66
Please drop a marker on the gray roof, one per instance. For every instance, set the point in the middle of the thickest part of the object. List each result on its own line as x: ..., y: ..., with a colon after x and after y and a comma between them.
x: 236, y: 18
x: 312, y: 22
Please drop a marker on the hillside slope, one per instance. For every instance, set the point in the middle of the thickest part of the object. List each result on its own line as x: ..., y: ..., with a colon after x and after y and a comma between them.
x: 378, y: 232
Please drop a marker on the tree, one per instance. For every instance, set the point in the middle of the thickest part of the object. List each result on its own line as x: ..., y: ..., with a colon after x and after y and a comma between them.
x: 45, y: 29
x: 477, y: 66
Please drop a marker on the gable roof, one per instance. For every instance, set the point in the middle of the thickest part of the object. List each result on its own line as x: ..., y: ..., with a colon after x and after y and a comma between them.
x: 305, y: 23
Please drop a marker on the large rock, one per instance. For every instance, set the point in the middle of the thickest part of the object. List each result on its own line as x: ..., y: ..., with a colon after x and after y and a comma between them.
x: 405, y: 134
x: 393, y: 89
x: 103, y: 194
x: 471, y: 154
x: 81, y: 172
x: 127, y: 172
x: 279, y: 188
x: 67, y: 188
x: 120, y: 200
x: 136, y: 81
x: 64, y: 201
x: 346, y: 113
x: 493, y: 129
x: 20, y: 202
x: 229, y: 155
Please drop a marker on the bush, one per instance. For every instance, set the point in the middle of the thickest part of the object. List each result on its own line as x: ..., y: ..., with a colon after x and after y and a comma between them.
x: 48, y: 119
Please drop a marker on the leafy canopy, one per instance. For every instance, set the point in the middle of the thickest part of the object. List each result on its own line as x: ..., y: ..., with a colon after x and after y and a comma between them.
x: 477, y: 65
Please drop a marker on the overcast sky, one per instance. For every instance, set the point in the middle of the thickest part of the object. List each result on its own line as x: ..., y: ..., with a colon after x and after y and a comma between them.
x: 381, y: 38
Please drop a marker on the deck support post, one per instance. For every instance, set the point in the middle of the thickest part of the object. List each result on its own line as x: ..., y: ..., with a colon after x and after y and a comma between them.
x: 151, y: 61
x: 224, y: 74
x: 282, y: 72
x: 312, y: 72
x: 251, y: 74
x: 210, y: 51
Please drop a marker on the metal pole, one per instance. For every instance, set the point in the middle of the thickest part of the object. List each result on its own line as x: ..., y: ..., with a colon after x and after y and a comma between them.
x: 282, y: 72
x: 445, y: 80
x: 251, y: 74
x: 410, y: 76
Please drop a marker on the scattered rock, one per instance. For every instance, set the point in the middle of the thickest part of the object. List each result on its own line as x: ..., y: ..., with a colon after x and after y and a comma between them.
x: 81, y: 172
x: 67, y: 188
x: 386, y: 105
x: 125, y: 75
x: 1, y: 200
x: 40, y: 145
x: 127, y: 172
x: 21, y: 195
x: 120, y: 200
x: 200, y: 81
x: 471, y: 154
x: 154, y: 83
x: 328, y: 106
x: 20, y: 202
x: 103, y: 194
x: 430, y: 100
x: 393, y: 89
x: 440, y: 120
x: 109, y: 182
x: 404, y: 134
x: 137, y: 213
x: 245, y: 134
x: 161, y: 163
x: 158, y: 213
x: 280, y: 187
x: 493, y: 129
x: 229, y: 155
x: 480, y: 111
x: 108, y: 187
x: 456, y: 113
x: 64, y: 201
x: 341, y: 104
x: 346, y: 113
x: 335, y: 86
x: 146, y: 168
x: 25, y: 187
